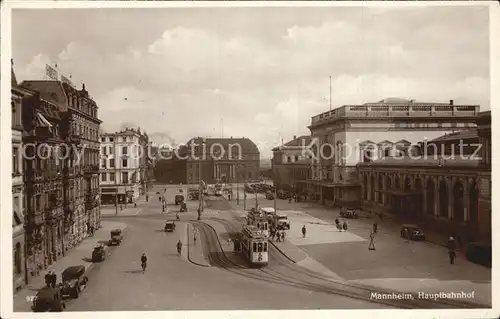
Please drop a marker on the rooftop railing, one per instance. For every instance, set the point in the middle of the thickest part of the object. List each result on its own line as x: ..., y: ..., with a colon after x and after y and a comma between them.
x: 410, y: 110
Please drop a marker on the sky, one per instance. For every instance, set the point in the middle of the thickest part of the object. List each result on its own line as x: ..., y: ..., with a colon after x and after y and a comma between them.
x: 260, y: 73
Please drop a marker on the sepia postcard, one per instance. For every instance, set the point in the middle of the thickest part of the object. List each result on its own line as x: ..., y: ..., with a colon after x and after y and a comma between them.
x: 248, y: 159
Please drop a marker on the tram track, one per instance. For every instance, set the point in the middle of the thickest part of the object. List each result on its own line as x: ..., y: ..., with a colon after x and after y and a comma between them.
x: 314, y: 281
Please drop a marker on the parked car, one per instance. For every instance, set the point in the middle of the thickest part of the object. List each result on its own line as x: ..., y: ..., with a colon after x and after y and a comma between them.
x: 269, y: 195
x: 73, y: 281
x: 169, y: 226
x: 479, y: 253
x: 282, y: 221
x: 179, y: 199
x: 99, y: 254
x: 48, y: 300
x: 348, y: 213
x: 414, y: 232
x: 116, y: 237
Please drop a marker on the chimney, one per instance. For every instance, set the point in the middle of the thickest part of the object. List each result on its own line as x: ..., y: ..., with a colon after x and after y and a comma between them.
x: 295, y: 137
x: 451, y: 102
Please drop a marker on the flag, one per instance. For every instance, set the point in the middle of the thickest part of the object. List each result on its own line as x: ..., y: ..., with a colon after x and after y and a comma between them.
x: 50, y: 72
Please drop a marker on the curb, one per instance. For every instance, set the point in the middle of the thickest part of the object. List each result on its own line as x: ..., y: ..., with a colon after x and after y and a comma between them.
x: 189, y: 250
x: 288, y: 257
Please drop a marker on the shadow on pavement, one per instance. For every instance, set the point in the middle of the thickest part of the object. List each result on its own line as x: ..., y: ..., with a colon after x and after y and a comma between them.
x: 160, y: 231
x: 138, y: 271
x: 103, y: 242
x: 87, y: 259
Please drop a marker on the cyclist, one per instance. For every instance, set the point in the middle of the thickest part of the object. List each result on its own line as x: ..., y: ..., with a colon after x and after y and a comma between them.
x: 144, y: 260
x: 179, y: 247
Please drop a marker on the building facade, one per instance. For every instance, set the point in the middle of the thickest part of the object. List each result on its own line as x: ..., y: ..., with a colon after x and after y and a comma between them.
x: 291, y: 164
x: 45, y: 218
x: 449, y: 193
x: 345, y: 136
x: 120, y: 170
x: 82, y: 128
x: 212, y: 160
x: 18, y: 213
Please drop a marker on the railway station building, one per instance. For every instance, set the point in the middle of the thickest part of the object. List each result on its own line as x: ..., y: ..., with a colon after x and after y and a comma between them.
x: 352, y: 134
x: 446, y: 191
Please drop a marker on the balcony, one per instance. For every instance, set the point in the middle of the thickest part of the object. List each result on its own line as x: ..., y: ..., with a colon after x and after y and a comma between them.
x: 76, y: 139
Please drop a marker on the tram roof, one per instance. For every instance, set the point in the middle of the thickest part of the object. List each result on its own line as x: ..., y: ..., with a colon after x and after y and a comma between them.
x: 253, y: 231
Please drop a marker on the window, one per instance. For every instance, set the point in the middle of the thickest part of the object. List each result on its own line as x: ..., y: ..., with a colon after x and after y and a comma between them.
x: 17, y: 259
x: 124, y: 177
x: 103, y: 150
x: 254, y: 247
x: 15, y: 160
x: 111, y: 177
x: 387, y: 152
x: 249, y: 175
x: 124, y: 162
x: 103, y: 163
x: 103, y: 177
x: 111, y: 139
x: 111, y: 150
x: 112, y: 163
x: 124, y: 150
x: 296, y: 158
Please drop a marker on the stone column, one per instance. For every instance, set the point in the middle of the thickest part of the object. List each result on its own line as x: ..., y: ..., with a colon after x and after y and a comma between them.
x: 466, y: 202
x: 451, y: 202
x: 436, y: 198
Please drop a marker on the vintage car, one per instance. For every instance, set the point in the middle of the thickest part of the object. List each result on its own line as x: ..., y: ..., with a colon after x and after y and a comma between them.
x: 116, y: 237
x: 348, y: 213
x: 178, y: 199
x: 169, y: 226
x: 282, y: 221
x: 48, y: 300
x: 99, y: 254
x: 413, y: 231
x: 269, y: 195
x: 73, y: 281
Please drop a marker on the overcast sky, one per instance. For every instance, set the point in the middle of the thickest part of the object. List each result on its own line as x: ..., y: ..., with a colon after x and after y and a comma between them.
x: 259, y: 73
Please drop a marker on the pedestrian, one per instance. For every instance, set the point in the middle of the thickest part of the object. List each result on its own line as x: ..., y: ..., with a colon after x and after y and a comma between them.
x: 375, y: 228
x: 48, y: 278
x: 407, y: 235
x: 159, y: 198
x: 283, y: 236
x: 451, y: 243
x: 53, y: 279
x: 278, y: 236
x: 194, y: 237
x: 304, y: 231
x: 339, y: 227
x: 452, y: 255
x: 147, y: 198
x: 344, y: 226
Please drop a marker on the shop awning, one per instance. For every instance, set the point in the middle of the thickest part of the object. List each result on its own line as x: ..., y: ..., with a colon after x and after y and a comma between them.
x: 41, y: 121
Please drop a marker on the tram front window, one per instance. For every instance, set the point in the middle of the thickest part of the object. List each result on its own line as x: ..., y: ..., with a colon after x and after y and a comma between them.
x: 265, y: 226
x: 265, y: 247
x: 254, y: 247
x: 260, y: 246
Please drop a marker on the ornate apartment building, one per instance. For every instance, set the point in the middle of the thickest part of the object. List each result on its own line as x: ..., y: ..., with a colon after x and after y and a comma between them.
x: 352, y: 134
x: 123, y: 164
x: 18, y: 241
x: 61, y: 184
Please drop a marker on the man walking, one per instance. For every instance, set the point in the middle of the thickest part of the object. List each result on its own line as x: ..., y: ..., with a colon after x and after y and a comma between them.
x: 304, y: 231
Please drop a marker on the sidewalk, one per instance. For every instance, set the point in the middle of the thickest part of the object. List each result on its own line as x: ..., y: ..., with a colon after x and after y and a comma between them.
x: 291, y: 251
x: 78, y: 255
x: 195, y: 249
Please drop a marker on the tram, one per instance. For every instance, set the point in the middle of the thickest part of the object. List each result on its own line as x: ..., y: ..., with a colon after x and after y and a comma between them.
x: 258, y: 219
x: 254, y: 245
